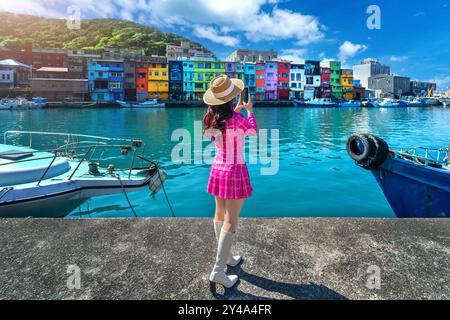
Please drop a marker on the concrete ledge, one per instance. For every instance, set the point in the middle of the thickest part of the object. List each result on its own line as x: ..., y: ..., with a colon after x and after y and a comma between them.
x: 171, y: 258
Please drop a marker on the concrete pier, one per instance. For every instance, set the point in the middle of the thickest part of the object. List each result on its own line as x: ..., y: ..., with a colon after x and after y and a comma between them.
x: 171, y: 259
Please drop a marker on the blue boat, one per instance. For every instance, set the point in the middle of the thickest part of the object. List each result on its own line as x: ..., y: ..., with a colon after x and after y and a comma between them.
x: 390, y: 103
x: 350, y: 104
x: 416, y: 182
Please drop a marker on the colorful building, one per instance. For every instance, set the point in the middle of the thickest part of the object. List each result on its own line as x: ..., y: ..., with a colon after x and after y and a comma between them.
x: 158, y: 80
x: 358, y: 91
x: 335, y: 79
x: 296, y: 81
x: 271, y: 80
x: 250, y: 78
x: 260, y: 81
x: 105, y: 80
x: 188, y: 80
x: 325, y: 84
x: 175, y: 80
x: 283, y: 70
x: 204, y: 71
x: 347, y: 83
x: 129, y: 72
x: 230, y: 69
x: 239, y: 71
x: 312, y: 79
x: 141, y: 81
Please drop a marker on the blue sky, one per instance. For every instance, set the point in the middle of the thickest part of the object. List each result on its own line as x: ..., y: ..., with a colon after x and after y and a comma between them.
x: 414, y: 36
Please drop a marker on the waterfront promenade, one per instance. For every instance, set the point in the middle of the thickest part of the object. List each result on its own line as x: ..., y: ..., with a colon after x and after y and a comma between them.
x: 171, y: 258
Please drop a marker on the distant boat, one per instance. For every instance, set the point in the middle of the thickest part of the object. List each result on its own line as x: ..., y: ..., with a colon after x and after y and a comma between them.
x: 417, y: 102
x: 350, y: 104
x: 416, y: 182
x: 38, y: 102
x: 14, y: 104
x: 320, y: 103
x: 390, y: 103
x: 431, y: 102
x: 153, y: 103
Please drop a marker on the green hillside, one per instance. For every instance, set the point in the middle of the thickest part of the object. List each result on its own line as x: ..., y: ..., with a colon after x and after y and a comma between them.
x: 18, y: 29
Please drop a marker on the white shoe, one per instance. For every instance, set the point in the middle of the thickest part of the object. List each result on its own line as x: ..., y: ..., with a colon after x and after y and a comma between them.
x: 218, y: 274
x: 232, y: 261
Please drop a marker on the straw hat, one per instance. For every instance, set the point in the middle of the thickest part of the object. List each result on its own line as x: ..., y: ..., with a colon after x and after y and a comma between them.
x: 222, y: 90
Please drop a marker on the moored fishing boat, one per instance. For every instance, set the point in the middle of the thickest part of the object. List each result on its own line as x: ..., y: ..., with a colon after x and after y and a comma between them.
x: 390, y: 103
x: 53, y: 182
x: 417, y: 102
x: 14, y: 104
x: 153, y: 103
x: 321, y: 103
x: 350, y: 104
x: 416, y: 182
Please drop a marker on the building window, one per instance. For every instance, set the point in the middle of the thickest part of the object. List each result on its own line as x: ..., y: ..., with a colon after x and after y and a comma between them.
x: 207, y: 65
x: 156, y: 73
x: 299, y: 77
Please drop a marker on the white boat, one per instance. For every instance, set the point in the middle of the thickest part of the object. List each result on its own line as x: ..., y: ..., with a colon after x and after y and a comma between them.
x: 321, y: 102
x: 417, y: 102
x: 16, y: 103
x: 53, y: 182
x: 152, y: 103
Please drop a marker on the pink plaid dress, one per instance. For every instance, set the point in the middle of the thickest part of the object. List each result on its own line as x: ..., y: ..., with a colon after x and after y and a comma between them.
x: 229, y: 178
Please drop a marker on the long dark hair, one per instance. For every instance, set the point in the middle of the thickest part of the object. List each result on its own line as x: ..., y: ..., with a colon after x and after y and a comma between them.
x: 216, y: 116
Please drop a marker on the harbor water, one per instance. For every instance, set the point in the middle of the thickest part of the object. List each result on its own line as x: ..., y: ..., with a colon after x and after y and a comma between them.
x: 316, y: 178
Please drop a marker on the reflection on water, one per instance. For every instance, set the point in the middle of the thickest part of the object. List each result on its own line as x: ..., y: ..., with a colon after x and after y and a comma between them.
x: 316, y: 177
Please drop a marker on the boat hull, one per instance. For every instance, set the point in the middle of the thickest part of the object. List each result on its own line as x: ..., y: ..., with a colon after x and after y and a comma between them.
x: 59, y: 199
x: 412, y: 190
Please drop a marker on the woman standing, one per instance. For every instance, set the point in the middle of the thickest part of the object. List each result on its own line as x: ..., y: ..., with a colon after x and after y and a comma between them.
x: 229, y: 181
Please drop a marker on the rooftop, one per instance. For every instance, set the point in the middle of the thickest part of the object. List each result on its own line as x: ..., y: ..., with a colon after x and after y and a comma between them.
x: 52, y: 69
x: 13, y: 63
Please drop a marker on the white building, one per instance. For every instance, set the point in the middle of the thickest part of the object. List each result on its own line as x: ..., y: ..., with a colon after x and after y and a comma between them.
x: 296, y: 81
x: 369, y: 68
x: 6, y: 79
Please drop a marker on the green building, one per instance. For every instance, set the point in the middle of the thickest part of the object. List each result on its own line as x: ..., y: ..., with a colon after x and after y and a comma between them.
x: 204, y: 71
x: 335, y: 79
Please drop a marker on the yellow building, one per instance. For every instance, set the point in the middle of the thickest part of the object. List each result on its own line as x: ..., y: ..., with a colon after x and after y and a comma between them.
x: 347, y: 83
x: 158, y: 81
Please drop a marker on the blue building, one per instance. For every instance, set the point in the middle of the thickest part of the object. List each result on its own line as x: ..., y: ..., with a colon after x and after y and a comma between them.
x: 250, y: 78
x: 175, y: 80
x: 188, y: 79
x: 106, y: 80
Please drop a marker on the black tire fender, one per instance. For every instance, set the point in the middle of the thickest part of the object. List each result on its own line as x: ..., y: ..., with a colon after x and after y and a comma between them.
x: 360, y: 148
x: 381, y: 151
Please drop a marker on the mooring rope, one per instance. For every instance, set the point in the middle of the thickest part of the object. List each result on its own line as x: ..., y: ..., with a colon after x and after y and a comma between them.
x: 126, y: 196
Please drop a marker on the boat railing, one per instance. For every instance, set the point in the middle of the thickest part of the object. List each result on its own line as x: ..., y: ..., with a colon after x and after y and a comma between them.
x: 71, y: 137
x: 426, y: 156
x: 73, y: 148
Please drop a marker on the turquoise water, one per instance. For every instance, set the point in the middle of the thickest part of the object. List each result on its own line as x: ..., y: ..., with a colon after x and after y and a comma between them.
x: 315, y: 178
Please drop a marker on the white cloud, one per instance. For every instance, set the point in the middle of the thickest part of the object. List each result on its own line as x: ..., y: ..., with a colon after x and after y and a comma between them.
x: 441, y: 81
x: 418, y: 14
x: 294, y: 55
x: 250, y: 17
x: 348, y: 50
x: 398, y: 58
x: 212, y: 34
